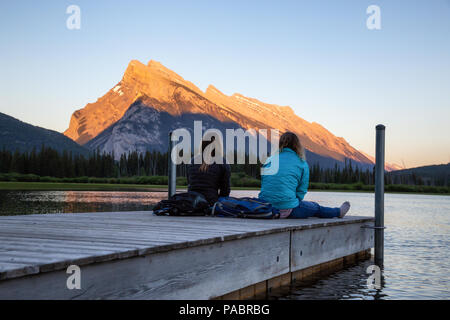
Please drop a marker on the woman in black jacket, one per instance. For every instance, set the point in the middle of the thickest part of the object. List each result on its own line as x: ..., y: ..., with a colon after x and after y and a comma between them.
x: 211, y: 180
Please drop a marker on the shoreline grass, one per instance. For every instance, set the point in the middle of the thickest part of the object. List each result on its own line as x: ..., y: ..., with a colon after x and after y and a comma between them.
x: 64, y: 186
x: 239, y: 181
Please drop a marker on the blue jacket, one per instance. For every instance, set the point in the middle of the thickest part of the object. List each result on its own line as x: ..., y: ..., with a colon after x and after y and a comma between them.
x: 286, y: 188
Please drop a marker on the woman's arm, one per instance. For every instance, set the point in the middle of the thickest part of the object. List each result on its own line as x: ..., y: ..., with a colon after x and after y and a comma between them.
x: 302, y: 187
x: 224, y: 188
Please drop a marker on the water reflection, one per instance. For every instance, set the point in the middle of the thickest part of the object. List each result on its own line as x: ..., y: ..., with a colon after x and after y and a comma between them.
x: 30, y: 202
x: 347, y: 284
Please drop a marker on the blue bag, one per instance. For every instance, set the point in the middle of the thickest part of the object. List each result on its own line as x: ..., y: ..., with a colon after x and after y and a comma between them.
x: 244, y: 208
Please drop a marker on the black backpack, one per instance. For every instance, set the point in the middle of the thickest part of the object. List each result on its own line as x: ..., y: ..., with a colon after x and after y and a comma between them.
x: 183, y: 204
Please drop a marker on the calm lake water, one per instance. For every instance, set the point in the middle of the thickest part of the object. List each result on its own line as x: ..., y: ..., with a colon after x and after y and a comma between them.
x: 417, y: 238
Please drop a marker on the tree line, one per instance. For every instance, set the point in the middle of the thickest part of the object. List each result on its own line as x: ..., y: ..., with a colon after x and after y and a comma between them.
x: 49, y: 162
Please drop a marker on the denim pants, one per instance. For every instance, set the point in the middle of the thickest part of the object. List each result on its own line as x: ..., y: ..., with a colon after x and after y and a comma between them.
x: 308, y: 209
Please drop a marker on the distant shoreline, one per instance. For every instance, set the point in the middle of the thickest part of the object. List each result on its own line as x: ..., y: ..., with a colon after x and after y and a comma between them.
x: 61, y: 186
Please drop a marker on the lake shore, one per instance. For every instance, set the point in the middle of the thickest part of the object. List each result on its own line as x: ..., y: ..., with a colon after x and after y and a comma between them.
x: 62, y: 186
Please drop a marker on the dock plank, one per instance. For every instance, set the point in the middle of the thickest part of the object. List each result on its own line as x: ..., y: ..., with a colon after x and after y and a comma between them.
x: 33, y: 244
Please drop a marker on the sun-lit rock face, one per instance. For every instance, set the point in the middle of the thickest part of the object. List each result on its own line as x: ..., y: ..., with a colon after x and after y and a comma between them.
x: 314, y: 137
x: 166, y: 91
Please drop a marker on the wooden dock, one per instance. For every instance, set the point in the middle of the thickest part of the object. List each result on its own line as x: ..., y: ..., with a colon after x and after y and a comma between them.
x: 136, y: 255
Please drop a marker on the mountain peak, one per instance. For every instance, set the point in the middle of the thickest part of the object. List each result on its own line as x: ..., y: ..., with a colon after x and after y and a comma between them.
x: 137, y: 70
x: 212, y: 89
x: 159, y: 67
x: 134, y: 69
x: 166, y: 91
x: 155, y: 64
x: 156, y: 67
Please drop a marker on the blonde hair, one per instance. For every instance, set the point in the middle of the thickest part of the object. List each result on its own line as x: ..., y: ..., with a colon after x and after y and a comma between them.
x: 291, y: 141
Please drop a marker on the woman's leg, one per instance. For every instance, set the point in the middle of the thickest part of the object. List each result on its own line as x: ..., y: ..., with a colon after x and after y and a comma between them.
x: 308, y: 209
x: 327, y: 212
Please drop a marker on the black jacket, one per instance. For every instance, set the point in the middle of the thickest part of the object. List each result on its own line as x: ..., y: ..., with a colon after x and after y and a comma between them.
x: 212, y: 184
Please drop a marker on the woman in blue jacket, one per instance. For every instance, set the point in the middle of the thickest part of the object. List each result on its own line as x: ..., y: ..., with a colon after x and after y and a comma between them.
x: 286, y: 188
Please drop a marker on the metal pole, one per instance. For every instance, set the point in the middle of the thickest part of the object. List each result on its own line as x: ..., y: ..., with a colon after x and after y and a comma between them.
x: 172, y: 169
x: 379, y: 195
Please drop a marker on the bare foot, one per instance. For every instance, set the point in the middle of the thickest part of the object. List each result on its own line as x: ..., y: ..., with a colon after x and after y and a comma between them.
x: 344, y: 209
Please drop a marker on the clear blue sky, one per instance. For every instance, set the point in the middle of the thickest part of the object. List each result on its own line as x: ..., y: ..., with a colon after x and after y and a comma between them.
x: 316, y: 56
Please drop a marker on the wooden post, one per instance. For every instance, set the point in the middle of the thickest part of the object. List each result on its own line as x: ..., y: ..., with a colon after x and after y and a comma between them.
x: 172, y: 169
x: 379, y: 195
